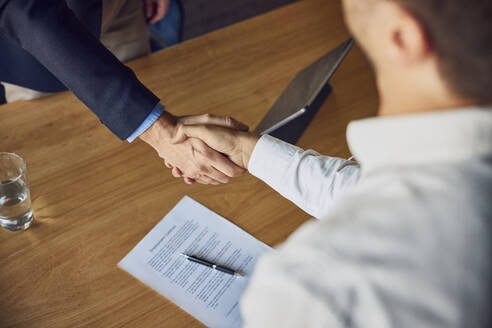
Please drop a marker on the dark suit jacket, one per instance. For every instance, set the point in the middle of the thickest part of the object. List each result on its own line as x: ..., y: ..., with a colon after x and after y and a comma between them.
x: 48, y: 45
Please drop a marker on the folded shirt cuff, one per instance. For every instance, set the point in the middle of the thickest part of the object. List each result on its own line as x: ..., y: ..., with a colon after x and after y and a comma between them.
x: 147, y: 123
x: 271, y: 158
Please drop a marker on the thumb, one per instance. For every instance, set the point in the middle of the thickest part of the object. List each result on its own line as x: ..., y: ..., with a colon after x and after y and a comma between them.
x: 192, y: 131
x: 223, y: 140
x: 210, y: 119
x: 212, y: 136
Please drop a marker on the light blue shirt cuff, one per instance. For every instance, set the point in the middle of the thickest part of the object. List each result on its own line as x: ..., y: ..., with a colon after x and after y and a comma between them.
x: 153, y: 116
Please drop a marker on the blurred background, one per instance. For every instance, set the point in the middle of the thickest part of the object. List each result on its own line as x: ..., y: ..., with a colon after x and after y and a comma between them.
x: 203, y: 16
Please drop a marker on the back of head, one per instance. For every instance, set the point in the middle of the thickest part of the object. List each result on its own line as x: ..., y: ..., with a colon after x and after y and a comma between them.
x: 460, y: 32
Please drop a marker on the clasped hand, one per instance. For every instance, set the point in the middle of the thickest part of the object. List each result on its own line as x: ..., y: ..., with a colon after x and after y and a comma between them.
x: 207, y: 149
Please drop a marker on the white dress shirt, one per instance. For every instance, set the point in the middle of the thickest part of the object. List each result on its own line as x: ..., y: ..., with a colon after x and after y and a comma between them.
x: 408, y: 245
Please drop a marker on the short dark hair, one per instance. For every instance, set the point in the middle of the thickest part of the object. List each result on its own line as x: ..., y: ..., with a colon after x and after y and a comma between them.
x: 461, y: 35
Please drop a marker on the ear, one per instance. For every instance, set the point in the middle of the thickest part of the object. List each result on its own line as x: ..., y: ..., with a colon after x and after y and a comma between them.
x: 409, y: 43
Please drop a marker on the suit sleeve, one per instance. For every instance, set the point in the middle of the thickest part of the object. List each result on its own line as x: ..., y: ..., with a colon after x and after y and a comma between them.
x: 50, y: 31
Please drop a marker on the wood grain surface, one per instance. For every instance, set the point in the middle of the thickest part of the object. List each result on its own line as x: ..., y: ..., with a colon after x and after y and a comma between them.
x: 95, y: 197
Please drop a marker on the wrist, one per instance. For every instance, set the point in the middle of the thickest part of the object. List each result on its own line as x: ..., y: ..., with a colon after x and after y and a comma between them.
x: 248, y: 143
x: 164, y: 128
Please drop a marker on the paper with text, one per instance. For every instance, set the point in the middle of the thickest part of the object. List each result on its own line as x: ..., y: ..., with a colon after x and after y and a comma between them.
x: 190, y: 228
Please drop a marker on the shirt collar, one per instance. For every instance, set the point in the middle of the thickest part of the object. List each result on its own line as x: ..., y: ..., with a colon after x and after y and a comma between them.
x: 419, y: 139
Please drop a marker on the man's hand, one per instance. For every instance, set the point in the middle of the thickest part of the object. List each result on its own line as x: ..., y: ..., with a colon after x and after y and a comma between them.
x: 236, y: 144
x: 197, y: 161
x: 155, y: 10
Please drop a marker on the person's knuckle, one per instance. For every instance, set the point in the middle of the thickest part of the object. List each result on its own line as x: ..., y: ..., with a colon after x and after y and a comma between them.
x: 198, y: 148
x: 203, y: 169
x: 229, y: 121
x: 236, y: 172
x: 207, y: 117
x: 180, y: 128
x: 195, y: 174
x: 208, y: 153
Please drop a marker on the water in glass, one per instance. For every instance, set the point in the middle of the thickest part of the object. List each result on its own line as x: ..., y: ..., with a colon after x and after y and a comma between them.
x: 15, y: 205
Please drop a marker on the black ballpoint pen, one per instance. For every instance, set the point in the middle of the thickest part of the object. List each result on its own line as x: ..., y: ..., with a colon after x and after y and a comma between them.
x: 212, y: 265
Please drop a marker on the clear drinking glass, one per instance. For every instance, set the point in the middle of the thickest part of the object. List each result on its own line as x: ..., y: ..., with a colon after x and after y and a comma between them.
x: 15, y: 198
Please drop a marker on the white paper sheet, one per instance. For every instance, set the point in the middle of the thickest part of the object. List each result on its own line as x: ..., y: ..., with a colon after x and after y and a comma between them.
x: 190, y: 228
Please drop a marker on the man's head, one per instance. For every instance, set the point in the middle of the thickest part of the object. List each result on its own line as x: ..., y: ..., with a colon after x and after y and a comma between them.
x: 428, y: 54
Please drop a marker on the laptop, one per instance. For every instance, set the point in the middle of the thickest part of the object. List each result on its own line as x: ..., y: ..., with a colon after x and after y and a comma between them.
x: 297, y: 105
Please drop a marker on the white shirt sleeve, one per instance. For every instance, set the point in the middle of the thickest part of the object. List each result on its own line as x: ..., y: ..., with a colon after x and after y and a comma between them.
x: 306, y: 178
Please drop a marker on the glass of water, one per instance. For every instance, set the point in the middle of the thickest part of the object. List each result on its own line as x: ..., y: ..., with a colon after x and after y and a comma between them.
x: 15, y: 198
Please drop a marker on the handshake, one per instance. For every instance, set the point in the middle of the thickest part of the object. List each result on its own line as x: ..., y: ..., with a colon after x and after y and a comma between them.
x: 207, y: 149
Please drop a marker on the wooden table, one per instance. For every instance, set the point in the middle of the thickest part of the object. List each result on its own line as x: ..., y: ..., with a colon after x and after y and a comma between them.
x: 95, y: 197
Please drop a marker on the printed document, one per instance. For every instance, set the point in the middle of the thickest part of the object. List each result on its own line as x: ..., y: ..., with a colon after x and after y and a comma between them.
x: 190, y: 228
